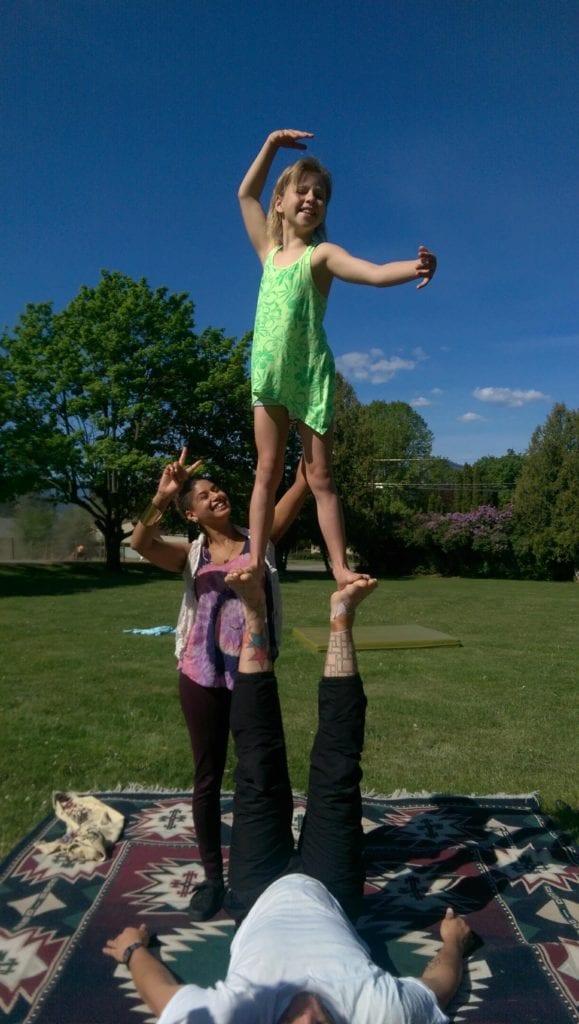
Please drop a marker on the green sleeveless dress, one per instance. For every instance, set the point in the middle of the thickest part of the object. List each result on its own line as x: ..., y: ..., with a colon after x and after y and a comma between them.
x: 291, y: 362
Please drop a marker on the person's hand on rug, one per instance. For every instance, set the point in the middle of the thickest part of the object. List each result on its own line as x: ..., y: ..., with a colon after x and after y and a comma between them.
x: 455, y: 929
x: 129, y: 936
x: 154, y: 983
x: 444, y: 971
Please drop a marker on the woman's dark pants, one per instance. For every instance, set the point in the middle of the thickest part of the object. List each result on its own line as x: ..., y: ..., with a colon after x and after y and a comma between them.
x: 206, y: 711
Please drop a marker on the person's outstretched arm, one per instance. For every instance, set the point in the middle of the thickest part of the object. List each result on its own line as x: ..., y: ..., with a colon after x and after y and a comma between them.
x: 253, y: 184
x: 154, y: 983
x: 146, y: 537
x: 444, y: 971
x: 290, y: 504
x: 332, y: 261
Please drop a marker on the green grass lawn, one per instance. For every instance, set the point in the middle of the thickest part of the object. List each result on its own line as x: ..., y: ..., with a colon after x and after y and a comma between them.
x: 86, y: 706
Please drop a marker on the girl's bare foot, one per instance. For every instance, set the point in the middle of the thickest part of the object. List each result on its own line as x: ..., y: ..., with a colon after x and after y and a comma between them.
x: 249, y: 587
x: 343, y: 603
x: 256, y: 569
x: 345, y: 576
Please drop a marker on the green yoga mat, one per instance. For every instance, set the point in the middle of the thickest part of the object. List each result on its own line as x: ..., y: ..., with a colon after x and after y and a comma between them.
x: 379, y: 638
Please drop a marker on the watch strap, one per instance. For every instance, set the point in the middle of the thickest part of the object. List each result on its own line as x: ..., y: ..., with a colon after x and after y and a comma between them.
x: 130, y: 950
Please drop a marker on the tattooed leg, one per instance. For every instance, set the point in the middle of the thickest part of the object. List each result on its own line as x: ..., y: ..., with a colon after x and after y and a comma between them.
x: 262, y: 841
x: 254, y: 655
x: 341, y: 654
x: 331, y: 841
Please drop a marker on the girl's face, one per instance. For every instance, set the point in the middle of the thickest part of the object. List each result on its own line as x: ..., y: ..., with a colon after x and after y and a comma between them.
x: 208, y: 505
x: 303, y: 204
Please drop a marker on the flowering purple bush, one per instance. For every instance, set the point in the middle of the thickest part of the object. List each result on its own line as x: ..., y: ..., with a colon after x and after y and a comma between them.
x: 458, y: 542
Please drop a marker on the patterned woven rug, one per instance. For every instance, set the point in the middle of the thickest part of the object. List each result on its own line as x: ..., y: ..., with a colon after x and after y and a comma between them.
x: 495, y: 859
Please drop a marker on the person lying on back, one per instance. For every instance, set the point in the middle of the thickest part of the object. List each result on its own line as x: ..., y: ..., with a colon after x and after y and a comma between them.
x: 296, y: 957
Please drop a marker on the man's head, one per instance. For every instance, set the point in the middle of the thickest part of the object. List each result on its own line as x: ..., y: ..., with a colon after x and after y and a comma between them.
x: 305, y: 1008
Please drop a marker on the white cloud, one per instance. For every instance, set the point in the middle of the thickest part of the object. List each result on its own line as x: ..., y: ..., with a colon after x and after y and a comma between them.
x: 436, y: 391
x: 419, y: 354
x: 470, y: 417
x: 373, y: 366
x: 420, y: 403
x: 512, y: 397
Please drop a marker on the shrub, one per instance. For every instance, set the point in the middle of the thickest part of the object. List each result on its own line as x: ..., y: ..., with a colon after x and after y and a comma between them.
x: 467, y: 543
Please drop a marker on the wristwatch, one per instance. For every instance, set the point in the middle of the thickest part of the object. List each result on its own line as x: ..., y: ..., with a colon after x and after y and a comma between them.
x: 130, y: 950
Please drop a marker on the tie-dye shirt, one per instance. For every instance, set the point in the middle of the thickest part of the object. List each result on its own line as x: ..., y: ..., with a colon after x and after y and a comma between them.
x: 211, y: 653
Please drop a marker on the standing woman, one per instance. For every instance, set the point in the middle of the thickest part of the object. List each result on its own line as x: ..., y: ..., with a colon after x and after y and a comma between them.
x: 209, y: 633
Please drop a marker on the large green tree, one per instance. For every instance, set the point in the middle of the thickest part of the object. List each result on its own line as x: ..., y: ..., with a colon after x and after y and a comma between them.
x: 401, y: 440
x: 491, y: 480
x: 547, y: 497
x: 382, y: 453
x: 99, y: 395
x: 436, y: 489
x: 401, y: 443
x: 498, y: 477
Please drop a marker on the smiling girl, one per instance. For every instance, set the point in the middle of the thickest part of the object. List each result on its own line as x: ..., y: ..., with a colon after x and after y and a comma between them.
x: 292, y: 366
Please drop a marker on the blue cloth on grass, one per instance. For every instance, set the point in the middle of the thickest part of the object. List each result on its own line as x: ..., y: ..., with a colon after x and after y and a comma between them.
x: 152, y: 631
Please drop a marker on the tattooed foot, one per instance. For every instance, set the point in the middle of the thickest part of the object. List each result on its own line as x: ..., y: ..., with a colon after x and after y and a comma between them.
x: 343, y: 603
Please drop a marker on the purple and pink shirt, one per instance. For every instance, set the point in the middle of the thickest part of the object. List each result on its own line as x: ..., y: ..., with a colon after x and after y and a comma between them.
x: 211, y: 622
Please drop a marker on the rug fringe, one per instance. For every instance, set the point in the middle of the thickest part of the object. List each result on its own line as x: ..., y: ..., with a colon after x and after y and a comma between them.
x: 406, y: 794
x: 139, y: 787
x: 371, y: 794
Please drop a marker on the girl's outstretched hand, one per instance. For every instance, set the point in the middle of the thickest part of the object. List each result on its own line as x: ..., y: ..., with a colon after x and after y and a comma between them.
x: 289, y: 138
x: 426, y: 266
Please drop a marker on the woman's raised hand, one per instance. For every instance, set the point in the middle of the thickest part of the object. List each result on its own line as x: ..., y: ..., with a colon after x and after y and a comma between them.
x: 175, y: 474
x: 289, y: 138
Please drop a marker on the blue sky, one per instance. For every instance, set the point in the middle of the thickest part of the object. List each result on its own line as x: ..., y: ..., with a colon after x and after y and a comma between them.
x: 127, y: 126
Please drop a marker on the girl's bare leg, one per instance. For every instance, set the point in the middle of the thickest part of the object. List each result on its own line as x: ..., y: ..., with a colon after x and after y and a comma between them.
x: 318, y: 459
x: 271, y: 426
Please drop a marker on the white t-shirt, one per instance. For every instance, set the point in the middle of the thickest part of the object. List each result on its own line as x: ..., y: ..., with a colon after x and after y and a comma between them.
x: 296, y: 938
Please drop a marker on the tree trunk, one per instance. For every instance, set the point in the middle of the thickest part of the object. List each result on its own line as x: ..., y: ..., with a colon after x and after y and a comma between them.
x: 113, y: 536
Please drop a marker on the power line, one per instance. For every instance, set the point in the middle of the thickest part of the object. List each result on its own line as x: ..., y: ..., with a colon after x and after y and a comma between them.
x: 380, y: 484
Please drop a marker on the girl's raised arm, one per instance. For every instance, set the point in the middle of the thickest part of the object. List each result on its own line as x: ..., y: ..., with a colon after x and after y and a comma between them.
x: 249, y: 192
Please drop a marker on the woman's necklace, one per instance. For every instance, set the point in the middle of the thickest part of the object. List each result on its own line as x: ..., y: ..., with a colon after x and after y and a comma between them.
x: 224, y: 552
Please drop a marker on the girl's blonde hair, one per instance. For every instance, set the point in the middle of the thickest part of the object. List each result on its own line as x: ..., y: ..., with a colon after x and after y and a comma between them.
x: 291, y: 176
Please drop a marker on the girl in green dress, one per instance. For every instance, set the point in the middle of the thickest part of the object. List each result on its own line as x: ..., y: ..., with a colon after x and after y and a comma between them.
x: 292, y: 367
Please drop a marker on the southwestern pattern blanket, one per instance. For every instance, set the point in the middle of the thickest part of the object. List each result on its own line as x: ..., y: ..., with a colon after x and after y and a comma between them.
x: 495, y: 859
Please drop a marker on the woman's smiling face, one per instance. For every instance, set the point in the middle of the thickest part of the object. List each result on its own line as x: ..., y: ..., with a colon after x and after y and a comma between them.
x: 208, y: 503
